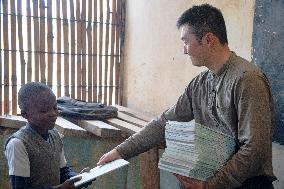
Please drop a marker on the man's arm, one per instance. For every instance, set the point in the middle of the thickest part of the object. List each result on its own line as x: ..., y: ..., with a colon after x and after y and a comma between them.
x: 256, y: 120
x: 154, y: 132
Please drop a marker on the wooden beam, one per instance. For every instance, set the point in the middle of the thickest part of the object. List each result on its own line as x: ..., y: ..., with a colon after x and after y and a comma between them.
x: 100, y: 128
x: 36, y: 40
x: 100, y: 52
x: 130, y: 119
x: 12, y: 121
x: 124, y: 126
x: 6, y: 56
x: 59, y: 38
x: 83, y: 43
x: 79, y: 51
x: 95, y: 53
x: 134, y: 113
x: 105, y: 75
x: 90, y: 58
x: 66, y: 48
x: 42, y: 39
x: 13, y: 57
x: 49, y: 44
x: 64, y: 126
x: 73, y: 48
x: 29, y: 41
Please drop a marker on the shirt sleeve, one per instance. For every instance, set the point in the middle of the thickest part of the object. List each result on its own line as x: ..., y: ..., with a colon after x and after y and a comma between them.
x: 18, y: 160
x: 63, y: 161
x: 24, y: 183
x: 154, y: 132
x: 256, y: 120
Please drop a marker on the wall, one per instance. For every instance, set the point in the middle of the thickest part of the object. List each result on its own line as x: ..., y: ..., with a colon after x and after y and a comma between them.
x: 268, y: 48
x: 156, y: 71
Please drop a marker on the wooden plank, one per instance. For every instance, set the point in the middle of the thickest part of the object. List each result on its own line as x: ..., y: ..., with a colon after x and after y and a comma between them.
x: 73, y: 45
x: 64, y: 126
x: 95, y: 58
x: 134, y: 113
x: 58, y: 34
x: 36, y: 40
x: 68, y: 128
x: 124, y: 126
x: 1, y: 106
x: 13, y: 57
x: 12, y: 121
x: 79, y: 51
x: 83, y: 43
x: 106, y: 54
x: 117, y: 53
x: 42, y: 41
x: 6, y: 56
x: 150, y: 174
x: 112, y: 45
x: 49, y: 44
x: 130, y: 119
x: 100, y: 128
x: 66, y: 48
x: 29, y: 41
x: 90, y: 63
x: 121, y: 51
x: 20, y: 36
x: 100, y: 52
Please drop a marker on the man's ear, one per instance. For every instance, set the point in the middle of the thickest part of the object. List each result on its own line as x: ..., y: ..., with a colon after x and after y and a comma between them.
x: 24, y: 114
x: 210, y: 38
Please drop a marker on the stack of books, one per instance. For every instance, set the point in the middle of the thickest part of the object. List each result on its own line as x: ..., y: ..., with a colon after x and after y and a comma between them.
x: 194, y: 150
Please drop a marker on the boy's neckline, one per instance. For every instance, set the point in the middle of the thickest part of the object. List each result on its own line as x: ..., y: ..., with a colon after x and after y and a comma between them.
x: 43, y: 135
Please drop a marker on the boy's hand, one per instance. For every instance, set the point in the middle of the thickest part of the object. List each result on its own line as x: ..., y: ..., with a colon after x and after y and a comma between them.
x: 86, y: 169
x: 190, y: 183
x: 68, y: 184
x: 108, y: 157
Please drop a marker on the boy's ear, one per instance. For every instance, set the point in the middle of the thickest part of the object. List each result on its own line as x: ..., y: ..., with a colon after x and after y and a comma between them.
x: 24, y: 114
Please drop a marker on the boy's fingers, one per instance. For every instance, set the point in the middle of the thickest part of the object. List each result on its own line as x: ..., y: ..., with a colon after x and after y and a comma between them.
x: 86, y: 169
x: 75, y: 179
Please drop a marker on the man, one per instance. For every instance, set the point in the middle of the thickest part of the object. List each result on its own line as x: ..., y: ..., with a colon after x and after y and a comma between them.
x: 233, y: 96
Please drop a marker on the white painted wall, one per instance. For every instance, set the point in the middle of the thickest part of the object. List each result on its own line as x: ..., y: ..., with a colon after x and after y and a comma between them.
x: 156, y: 71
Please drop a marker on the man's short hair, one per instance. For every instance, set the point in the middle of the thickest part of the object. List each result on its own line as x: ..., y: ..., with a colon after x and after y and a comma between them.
x: 203, y: 19
x: 30, y: 92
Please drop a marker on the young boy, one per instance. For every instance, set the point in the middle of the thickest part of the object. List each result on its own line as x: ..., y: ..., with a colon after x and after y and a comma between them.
x: 35, y: 153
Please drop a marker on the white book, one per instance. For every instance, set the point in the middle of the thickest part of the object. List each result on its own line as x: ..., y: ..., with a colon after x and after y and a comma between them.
x: 99, y: 171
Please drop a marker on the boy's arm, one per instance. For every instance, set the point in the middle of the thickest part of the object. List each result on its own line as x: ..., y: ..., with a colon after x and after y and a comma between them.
x: 65, y: 171
x: 18, y: 182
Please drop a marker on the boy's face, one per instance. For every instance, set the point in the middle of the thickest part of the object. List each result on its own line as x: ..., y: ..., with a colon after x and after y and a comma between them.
x: 43, y: 112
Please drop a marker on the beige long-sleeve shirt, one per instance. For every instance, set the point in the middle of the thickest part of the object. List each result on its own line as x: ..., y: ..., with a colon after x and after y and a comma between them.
x: 238, y: 101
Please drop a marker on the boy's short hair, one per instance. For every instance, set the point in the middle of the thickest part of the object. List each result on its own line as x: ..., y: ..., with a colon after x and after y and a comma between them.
x: 203, y: 19
x: 30, y: 92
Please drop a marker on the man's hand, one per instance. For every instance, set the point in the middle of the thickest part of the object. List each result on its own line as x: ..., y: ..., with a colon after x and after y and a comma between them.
x: 68, y: 184
x: 190, y: 183
x: 108, y: 157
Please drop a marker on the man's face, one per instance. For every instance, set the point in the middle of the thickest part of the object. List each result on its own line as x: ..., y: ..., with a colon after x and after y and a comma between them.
x: 196, y: 50
x: 43, y: 113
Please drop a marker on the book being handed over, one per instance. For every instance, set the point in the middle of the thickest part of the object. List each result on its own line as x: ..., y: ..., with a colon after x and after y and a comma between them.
x: 99, y: 171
